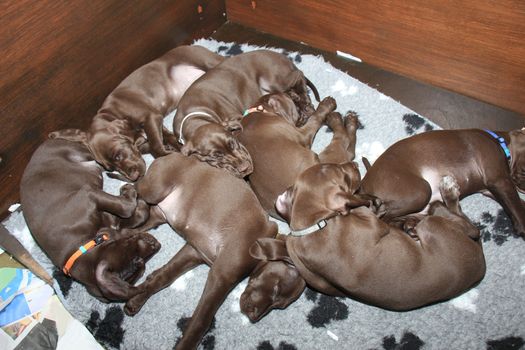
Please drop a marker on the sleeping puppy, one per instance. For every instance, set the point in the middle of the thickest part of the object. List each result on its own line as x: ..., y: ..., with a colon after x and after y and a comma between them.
x: 274, y: 141
x: 406, y: 176
x: 219, y: 217
x: 358, y: 255
x: 78, y: 225
x: 130, y: 120
x: 209, y: 114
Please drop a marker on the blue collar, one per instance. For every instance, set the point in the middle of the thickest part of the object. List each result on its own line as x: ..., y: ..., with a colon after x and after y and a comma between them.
x: 501, y: 141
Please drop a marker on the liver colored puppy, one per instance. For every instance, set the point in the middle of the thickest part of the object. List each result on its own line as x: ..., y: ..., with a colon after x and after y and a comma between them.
x: 359, y: 256
x: 219, y: 217
x: 210, y: 112
x: 65, y: 208
x: 130, y: 119
x: 277, y: 145
x: 406, y: 176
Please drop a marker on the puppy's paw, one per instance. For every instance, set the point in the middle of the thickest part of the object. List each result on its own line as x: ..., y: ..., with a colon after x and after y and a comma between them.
x: 328, y: 104
x: 136, y: 303
x: 334, y: 120
x: 128, y: 191
x: 351, y: 121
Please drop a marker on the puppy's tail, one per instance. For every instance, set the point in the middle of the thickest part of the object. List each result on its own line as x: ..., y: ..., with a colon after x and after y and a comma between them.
x: 366, y: 163
x: 313, y: 88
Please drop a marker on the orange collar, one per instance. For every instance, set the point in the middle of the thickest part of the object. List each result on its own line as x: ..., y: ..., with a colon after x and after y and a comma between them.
x: 258, y: 108
x: 99, y: 239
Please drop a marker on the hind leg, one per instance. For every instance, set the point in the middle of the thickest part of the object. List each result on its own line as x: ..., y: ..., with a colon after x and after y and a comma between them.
x: 342, y: 147
x: 227, y: 271
x: 186, y: 259
x: 450, y: 208
x: 316, y: 120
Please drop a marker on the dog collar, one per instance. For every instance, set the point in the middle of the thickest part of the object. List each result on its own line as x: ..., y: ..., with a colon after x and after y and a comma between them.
x: 319, y: 226
x: 501, y: 141
x: 181, y: 139
x: 82, y: 250
x: 258, y: 108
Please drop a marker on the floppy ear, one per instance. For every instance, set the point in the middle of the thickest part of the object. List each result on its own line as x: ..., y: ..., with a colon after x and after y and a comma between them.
x: 270, y: 249
x: 74, y: 135
x: 284, y: 106
x: 111, y: 285
x: 340, y: 202
x: 352, y: 176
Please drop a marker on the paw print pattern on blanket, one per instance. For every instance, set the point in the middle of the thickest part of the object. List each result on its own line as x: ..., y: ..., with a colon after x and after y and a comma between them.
x: 326, y: 310
x: 415, y: 123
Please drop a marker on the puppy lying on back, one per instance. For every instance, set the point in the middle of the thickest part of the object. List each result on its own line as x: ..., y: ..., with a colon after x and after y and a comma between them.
x: 68, y: 213
x: 219, y: 217
x: 359, y: 256
x: 281, y: 150
x: 210, y: 112
x: 130, y: 120
x: 406, y: 176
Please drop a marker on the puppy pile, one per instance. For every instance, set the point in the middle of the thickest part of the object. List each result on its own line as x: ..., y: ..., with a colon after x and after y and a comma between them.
x: 398, y: 239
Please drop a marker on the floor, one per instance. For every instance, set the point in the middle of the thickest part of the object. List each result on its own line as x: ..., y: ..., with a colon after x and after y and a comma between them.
x: 447, y: 109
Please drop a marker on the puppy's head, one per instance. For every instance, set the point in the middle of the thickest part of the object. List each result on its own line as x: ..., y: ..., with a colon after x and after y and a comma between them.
x: 320, y: 192
x: 281, y: 104
x: 274, y: 283
x: 112, y: 146
x: 216, y: 145
x: 121, y: 262
x: 517, y: 158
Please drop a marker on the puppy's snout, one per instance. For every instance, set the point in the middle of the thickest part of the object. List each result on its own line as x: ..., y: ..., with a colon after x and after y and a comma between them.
x: 134, y: 173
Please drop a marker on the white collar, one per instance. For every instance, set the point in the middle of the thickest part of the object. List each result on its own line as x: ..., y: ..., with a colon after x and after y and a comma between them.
x: 320, y: 225
x: 181, y: 139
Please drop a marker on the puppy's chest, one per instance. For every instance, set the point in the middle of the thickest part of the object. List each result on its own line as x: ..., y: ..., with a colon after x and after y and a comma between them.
x: 172, y: 204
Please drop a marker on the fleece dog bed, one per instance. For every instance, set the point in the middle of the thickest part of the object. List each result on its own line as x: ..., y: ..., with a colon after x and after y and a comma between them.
x: 489, y: 316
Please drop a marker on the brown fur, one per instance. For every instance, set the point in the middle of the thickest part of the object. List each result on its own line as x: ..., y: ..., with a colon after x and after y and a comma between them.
x: 65, y: 207
x: 129, y: 121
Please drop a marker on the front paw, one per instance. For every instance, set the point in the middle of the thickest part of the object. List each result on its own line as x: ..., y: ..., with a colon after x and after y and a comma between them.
x: 136, y: 303
x: 128, y: 191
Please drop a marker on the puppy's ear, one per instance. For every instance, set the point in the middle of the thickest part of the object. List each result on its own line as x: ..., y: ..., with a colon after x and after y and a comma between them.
x: 73, y: 135
x: 270, y: 249
x: 352, y: 176
x: 111, y: 285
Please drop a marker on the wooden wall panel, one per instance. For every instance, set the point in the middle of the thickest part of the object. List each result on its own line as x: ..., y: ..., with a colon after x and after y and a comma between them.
x: 61, y: 58
x: 474, y: 47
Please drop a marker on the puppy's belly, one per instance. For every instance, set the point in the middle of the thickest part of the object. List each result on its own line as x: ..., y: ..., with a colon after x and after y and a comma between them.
x: 170, y: 204
x: 433, y: 178
x: 183, y: 76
